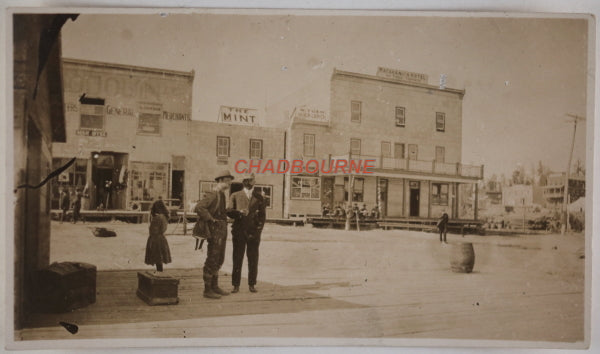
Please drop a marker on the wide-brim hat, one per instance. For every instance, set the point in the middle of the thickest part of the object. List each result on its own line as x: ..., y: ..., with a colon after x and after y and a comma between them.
x: 246, y: 176
x: 224, y: 173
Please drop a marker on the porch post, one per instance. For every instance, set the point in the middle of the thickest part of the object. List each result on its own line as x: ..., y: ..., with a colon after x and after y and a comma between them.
x: 475, y: 201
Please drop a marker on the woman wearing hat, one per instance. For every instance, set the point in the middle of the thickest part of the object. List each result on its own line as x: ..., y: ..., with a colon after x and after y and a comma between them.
x: 212, y: 225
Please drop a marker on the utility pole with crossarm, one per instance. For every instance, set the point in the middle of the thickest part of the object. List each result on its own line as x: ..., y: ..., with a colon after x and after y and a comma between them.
x: 565, y: 224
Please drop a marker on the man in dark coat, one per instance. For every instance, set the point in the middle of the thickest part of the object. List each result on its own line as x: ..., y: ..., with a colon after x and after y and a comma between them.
x: 248, y: 209
x: 64, y: 203
x: 443, y: 227
x: 212, y: 225
x: 77, y: 205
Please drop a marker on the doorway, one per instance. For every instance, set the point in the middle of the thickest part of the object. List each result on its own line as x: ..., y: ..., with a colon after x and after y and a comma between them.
x: 177, y: 178
x: 414, y: 198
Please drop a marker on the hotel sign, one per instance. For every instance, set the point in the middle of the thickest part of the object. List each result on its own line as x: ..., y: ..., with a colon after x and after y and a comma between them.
x: 402, y: 75
x: 236, y: 115
x: 310, y: 114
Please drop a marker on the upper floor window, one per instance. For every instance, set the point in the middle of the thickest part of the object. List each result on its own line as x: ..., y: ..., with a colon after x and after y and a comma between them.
x: 356, y: 111
x: 400, y: 116
x: 440, y: 154
x: 354, y: 146
x: 256, y: 149
x: 91, y: 113
x: 309, y: 145
x: 223, y: 146
x: 440, y: 121
x: 149, y: 118
x: 386, y: 149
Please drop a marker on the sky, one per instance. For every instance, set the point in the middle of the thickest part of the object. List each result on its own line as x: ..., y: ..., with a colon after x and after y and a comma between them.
x: 521, y: 75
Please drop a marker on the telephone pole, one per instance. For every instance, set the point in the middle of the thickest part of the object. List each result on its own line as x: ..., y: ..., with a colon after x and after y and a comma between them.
x: 565, y: 224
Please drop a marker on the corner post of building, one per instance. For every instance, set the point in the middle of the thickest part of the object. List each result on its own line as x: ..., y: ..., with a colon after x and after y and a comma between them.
x: 475, y: 201
x: 429, y: 199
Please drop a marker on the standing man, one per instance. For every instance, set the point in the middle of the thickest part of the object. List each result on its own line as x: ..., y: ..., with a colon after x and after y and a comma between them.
x: 77, y: 205
x: 64, y: 203
x: 443, y: 227
x: 212, y: 225
x: 247, y: 208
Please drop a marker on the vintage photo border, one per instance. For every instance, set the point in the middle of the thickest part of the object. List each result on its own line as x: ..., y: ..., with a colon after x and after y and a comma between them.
x: 591, y: 223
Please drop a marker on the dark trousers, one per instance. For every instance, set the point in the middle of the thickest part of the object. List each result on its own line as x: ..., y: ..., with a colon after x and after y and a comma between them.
x: 215, y: 250
x: 242, y: 244
x: 443, y: 231
x: 63, y: 215
x: 76, y: 214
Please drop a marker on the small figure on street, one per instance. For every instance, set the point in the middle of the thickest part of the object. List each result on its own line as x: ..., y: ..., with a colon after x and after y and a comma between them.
x: 212, y: 225
x: 77, y: 205
x: 157, y: 247
x: 325, y: 210
x: 443, y: 227
x: 248, y: 210
x: 364, y: 212
x: 375, y: 212
x: 64, y: 203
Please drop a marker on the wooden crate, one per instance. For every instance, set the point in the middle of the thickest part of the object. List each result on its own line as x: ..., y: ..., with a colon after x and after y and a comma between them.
x: 65, y: 286
x: 157, y: 289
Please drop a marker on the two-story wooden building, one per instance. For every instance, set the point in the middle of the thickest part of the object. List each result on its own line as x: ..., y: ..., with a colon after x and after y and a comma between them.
x: 411, y: 129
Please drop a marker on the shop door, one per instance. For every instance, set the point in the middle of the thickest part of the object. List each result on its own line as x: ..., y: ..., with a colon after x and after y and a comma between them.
x: 414, y: 198
x: 103, y: 190
x: 177, y: 179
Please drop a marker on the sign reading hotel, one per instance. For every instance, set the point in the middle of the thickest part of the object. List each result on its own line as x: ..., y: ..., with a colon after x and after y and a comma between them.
x: 310, y: 114
x: 241, y: 116
x: 402, y: 75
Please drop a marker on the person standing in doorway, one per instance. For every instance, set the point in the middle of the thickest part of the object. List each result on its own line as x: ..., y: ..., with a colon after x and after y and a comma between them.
x: 65, y: 203
x: 212, y: 225
x: 248, y: 210
x: 77, y: 205
x: 443, y: 227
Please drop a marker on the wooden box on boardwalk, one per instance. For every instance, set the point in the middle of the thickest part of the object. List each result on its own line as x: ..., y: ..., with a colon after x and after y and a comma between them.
x: 65, y: 286
x: 157, y: 289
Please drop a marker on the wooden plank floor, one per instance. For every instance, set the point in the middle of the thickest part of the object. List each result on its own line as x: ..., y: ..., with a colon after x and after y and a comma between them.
x: 116, y: 301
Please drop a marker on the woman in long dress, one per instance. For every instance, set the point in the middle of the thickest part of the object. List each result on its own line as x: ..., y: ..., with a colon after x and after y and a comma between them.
x: 157, y: 247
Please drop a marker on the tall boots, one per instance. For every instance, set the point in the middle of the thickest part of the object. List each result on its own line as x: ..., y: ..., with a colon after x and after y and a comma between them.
x: 211, y: 287
x: 215, y: 286
x: 208, y: 288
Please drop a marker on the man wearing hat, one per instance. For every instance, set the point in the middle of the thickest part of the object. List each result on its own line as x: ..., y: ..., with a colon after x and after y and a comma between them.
x: 212, y: 224
x: 247, y: 208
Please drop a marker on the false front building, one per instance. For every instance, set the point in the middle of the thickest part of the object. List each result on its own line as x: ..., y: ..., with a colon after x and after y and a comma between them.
x: 411, y: 129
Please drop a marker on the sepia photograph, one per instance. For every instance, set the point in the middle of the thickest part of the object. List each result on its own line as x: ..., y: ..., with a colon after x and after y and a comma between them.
x: 299, y: 177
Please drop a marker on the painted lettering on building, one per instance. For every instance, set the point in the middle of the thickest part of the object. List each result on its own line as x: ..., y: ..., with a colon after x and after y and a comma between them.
x: 176, y: 116
x: 310, y: 114
x: 91, y: 132
x: 119, y: 111
x: 402, y: 75
x: 236, y: 115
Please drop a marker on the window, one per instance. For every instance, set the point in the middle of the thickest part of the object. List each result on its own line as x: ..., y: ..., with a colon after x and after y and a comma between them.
x: 440, y: 121
x: 149, y: 124
x: 267, y: 192
x: 354, y: 146
x: 439, y: 193
x: 399, y: 150
x: 148, y: 180
x: 440, y: 154
x: 306, y: 188
x: 256, y: 149
x: 400, y: 117
x: 386, y: 149
x: 223, y: 146
x: 355, y: 111
x: 92, y: 116
x: 206, y: 186
x: 413, y: 151
x: 309, y: 145
x: 358, y: 190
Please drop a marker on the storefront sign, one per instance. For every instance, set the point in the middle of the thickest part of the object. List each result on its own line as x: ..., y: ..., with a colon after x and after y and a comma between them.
x: 149, y: 118
x: 175, y: 116
x: 311, y: 114
x: 91, y: 132
x: 119, y: 111
x: 402, y: 75
x: 241, y: 116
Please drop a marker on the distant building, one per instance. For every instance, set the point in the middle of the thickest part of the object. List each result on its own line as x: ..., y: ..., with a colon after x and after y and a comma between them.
x: 554, y: 191
x: 517, y: 195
